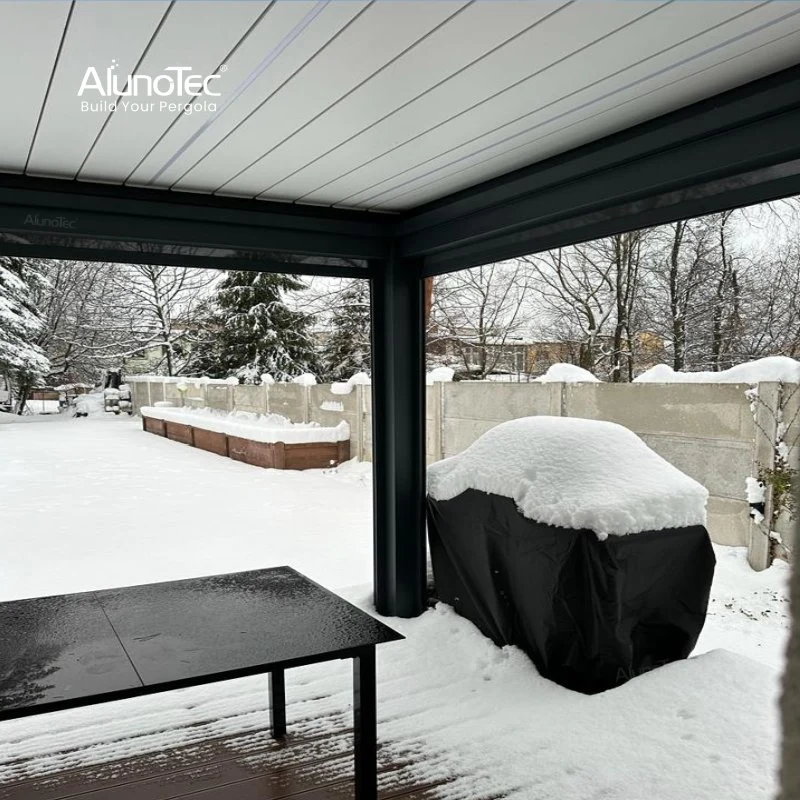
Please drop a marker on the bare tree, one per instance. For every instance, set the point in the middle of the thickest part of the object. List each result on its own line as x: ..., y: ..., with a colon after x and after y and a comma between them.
x: 476, y: 312
x: 678, y: 269
x: 164, y: 300
x: 576, y: 304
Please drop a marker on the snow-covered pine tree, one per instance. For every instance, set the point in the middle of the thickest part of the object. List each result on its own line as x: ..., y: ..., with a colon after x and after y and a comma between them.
x: 21, y: 359
x: 347, y: 351
x: 259, y: 333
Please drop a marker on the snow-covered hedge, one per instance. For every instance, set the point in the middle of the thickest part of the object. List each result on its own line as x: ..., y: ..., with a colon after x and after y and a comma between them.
x: 257, y: 427
x: 574, y: 473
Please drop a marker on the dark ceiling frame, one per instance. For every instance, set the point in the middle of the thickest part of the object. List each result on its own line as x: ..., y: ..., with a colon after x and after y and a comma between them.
x: 734, y: 149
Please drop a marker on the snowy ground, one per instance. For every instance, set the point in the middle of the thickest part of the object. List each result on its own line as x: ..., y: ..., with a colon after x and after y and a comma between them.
x: 95, y: 503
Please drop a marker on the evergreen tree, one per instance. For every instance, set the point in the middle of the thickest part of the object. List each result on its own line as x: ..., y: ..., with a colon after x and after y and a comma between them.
x: 21, y: 358
x: 348, y: 348
x: 258, y: 332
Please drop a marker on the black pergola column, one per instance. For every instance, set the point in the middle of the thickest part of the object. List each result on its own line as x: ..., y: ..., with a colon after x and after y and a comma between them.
x: 398, y: 440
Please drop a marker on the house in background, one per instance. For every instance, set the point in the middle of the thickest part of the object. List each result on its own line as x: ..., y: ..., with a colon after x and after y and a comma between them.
x: 518, y: 358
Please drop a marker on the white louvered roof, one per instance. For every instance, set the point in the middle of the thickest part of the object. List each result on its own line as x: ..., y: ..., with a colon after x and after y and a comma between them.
x: 382, y: 105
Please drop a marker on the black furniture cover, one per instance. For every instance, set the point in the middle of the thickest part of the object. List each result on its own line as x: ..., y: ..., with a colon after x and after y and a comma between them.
x: 590, y: 614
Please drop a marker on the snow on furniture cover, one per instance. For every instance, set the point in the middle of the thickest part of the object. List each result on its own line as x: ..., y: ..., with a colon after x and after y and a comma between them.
x: 256, y: 427
x: 573, y: 540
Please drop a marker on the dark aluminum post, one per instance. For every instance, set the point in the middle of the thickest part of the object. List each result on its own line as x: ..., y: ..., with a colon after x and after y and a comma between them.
x: 365, y: 725
x: 398, y: 441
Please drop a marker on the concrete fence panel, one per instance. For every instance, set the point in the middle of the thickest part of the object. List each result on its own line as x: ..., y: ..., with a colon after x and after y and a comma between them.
x: 195, y: 394
x: 140, y: 394
x: 470, y: 409
x: 217, y: 396
x: 250, y: 398
x: 330, y: 409
x: 156, y: 391
x: 689, y: 409
x: 290, y: 400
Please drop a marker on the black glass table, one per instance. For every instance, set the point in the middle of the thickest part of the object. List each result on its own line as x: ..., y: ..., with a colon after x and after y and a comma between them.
x: 75, y: 650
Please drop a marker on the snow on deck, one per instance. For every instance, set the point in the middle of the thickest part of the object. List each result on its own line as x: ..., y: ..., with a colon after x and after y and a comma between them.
x: 95, y: 503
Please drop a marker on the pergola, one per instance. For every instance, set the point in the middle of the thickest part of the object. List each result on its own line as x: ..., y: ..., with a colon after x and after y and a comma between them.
x: 386, y: 140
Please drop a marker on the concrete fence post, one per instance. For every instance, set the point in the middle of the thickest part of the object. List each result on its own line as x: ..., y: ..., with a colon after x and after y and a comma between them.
x: 265, y: 392
x: 438, y: 419
x: 149, y: 395
x: 358, y: 433
x: 766, y: 407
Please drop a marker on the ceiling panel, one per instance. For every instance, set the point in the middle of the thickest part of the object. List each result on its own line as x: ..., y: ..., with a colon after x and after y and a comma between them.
x: 196, y: 34
x: 25, y: 73
x: 288, y: 36
x: 554, y: 37
x: 431, y: 60
x: 381, y: 104
x: 561, y: 130
x: 649, y: 44
x: 372, y: 40
x: 66, y: 132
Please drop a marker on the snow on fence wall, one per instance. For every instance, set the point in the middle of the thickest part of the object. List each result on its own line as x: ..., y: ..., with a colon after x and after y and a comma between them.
x: 718, y: 434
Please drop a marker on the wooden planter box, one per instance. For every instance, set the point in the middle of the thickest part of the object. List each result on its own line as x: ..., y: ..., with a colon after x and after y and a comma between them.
x: 211, y: 441
x: 154, y: 426
x: 316, y: 455
x: 259, y: 454
x: 270, y: 455
x: 179, y: 432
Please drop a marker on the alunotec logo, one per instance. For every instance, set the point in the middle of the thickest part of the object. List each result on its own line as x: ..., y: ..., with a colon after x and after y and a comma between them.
x: 173, y: 82
x: 62, y: 223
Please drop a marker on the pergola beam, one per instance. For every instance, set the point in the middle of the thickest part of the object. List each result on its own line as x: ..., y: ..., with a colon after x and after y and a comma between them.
x: 74, y: 211
x: 738, y: 148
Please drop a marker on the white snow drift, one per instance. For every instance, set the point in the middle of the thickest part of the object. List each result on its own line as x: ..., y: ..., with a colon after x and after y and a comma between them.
x: 574, y: 473
x: 567, y: 373
x: 774, y: 368
x: 257, y: 427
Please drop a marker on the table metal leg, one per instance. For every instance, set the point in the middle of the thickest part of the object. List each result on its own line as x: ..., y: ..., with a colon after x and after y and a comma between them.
x: 277, y: 703
x: 365, y: 725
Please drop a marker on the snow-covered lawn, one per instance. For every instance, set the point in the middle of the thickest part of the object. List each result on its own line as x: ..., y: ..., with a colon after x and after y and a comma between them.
x: 95, y: 503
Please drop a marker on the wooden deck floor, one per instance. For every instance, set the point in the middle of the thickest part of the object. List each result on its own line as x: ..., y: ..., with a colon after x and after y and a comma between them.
x: 242, y: 767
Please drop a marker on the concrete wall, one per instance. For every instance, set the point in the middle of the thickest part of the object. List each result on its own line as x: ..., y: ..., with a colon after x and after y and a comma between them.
x: 716, y: 433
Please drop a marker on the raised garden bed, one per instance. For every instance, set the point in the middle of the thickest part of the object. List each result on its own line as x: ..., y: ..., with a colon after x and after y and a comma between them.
x: 179, y: 432
x: 156, y: 426
x: 212, y: 441
x: 259, y: 441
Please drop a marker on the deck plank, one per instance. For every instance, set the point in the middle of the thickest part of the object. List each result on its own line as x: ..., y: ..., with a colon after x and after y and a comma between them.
x: 249, y: 766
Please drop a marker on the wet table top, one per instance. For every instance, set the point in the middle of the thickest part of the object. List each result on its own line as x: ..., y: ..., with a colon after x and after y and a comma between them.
x: 77, y: 649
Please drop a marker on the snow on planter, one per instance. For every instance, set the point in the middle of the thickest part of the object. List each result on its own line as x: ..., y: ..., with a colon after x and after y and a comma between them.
x: 574, y: 473
x: 268, y: 440
x: 529, y: 537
